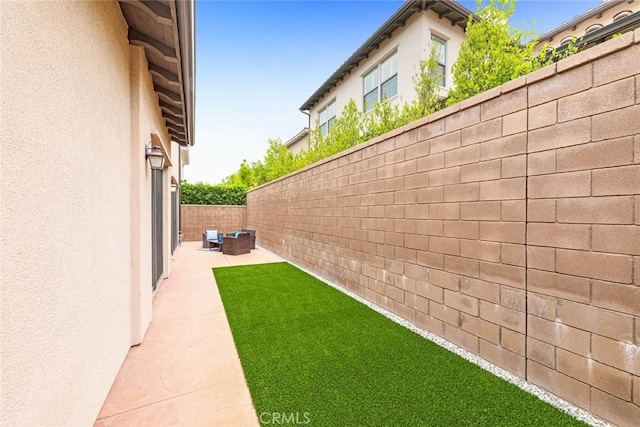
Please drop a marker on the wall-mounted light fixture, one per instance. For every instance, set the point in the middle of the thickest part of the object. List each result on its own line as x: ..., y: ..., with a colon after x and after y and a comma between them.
x: 155, y: 157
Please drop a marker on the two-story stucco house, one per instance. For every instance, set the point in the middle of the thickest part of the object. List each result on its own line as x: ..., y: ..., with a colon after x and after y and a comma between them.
x: 611, y: 17
x: 384, y: 66
x: 96, y: 105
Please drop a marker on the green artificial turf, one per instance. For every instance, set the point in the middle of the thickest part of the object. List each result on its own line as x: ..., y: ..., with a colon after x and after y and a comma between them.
x: 314, y: 356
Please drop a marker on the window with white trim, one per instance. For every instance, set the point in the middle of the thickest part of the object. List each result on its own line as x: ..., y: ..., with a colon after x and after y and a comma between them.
x: 381, y: 82
x: 621, y: 15
x: 439, y: 47
x: 326, y: 117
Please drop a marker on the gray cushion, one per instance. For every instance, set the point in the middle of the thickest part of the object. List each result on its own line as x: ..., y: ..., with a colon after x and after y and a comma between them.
x: 212, y: 235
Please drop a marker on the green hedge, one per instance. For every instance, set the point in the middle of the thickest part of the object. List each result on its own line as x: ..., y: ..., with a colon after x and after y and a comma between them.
x: 207, y: 194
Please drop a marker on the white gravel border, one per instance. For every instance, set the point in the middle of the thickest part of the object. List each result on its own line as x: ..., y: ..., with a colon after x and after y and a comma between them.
x: 542, y: 394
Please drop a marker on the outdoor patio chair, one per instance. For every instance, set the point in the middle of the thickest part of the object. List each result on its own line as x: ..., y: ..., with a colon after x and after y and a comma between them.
x: 237, y: 243
x: 252, y: 234
x: 211, y: 238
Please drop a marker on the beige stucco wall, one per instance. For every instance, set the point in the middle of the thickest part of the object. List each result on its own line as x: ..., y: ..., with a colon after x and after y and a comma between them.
x: 76, y: 110
x: 302, y: 143
x: 413, y: 44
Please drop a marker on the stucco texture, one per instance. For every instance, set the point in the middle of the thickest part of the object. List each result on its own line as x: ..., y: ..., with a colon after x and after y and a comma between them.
x: 75, y: 197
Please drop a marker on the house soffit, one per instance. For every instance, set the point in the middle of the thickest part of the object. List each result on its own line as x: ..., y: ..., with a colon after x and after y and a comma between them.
x: 157, y: 27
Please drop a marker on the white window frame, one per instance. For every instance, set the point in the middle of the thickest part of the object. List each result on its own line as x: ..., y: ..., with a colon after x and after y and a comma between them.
x: 378, y: 73
x: 442, y: 59
x: 325, y: 122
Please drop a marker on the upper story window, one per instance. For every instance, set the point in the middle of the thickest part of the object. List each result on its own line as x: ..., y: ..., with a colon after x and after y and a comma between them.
x: 326, y: 117
x: 621, y: 15
x: 566, y: 40
x: 381, y: 83
x: 439, y: 47
x: 593, y: 28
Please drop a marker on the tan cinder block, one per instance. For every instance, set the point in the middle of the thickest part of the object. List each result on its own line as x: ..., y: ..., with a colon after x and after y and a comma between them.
x: 405, y: 312
x: 506, y: 232
x: 541, y: 352
x: 444, y: 176
x: 503, y: 316
x: 462, y: 119
x: 598, y: 100
x: 419, y: 149
x: 596, y: 155
x: 480, y: 289
x: 444, y: 245
x: 542, y: 210
x: 407, y: 138
x: 384, y: 199
x: 431, y: 162
x: 461, y: 229
x: 414, y: 241
x: 504, y: 274
x: 514, y: 166
x: 430, y: 291
x: 541, y: 306
x: 462, y: 338
x: 403, y: 197
x: 542, y: 163
x: 613, y: 409
x: 502, y: 357
x: 460, y: 302
x: 462, y: 156
x: 573, y: 365
x: 462, y: 192
x: 506, y: 146
x: 541, y: 258
x: 462, y: 266
x: 394, y: 156
x: 420, y: 211
x: 444, y: 279
x: 571, y: 236
x: 431, y: 130
x: 481, y: 132
x: 505, y: 104
x: 416, y: 272
x: 541, y: 74
x: 616, y: 296
x: 616, y: 268
x: 543, y: 115
x: 563, y: 134
x: 560, y: 85
x: 562, y: 385
x: 484, y: 211
x: 394, y: 184
x: 572, y: 184
x: 596, y: 210
x: 512, y: 298
x: 503, y: 189
x: 618, y: 239
x: 418, y: 180
x: 430, y: 195
x: 430, y: 227
x: 482, y: 171
x: 514, y: 210
x: 480, y: 328
x: 616, y: 124
x: 620, y: 355
x: 512, y: 341
x: 445, y: 313
x: 636, y: 149
x: 487, y: 251
x: 513, y: 255
x: 394, y: 293
x: 636, y: 276
x: 393, y: 239
x: 444, y: 211
x: 559, y: 335
x: 636, y: 390
x: 596, y: 52
x: 598, y: 320
x: 430, y: 324
x: 618, y: 66
x: 430, y: 259
x: 616, y: 181
x: 559, y: 285
x: 514, y: 123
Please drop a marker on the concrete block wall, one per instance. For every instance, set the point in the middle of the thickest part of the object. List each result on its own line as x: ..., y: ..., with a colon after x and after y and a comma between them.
x: 195, y: 218
x: 508, y: 224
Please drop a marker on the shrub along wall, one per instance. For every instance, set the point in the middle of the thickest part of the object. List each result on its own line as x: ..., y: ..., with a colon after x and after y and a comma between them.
x: 195, y: 218
x: 508, y: 224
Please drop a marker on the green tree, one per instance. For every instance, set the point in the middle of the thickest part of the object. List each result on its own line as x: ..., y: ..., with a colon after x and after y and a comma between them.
x: 493, y: 52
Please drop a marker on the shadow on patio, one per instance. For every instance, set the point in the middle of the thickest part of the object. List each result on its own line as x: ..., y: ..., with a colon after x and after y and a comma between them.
x: 187, y: 370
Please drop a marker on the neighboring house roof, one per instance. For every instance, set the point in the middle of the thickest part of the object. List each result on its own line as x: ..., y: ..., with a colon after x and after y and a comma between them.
x: 165, y: 28
x: 304, y: 132
x: 454, y: 12
x: 571, y: 25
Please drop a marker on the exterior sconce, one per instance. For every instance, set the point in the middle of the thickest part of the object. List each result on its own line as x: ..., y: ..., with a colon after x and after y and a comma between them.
x: 155, y: 157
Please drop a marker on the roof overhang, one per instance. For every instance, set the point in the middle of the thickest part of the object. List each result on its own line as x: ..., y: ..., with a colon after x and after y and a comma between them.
x: 445, y: 9
x: 300, y: 135
x: 166, y: 31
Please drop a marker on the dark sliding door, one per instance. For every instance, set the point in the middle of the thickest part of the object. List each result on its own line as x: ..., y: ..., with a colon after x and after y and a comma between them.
x: 157, y: 255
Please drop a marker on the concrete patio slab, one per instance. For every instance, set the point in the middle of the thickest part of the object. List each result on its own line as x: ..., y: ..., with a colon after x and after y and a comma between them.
x: 187, y: 370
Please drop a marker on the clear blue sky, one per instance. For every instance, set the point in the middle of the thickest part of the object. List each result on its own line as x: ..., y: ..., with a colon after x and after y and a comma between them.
x: 258, y: 61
